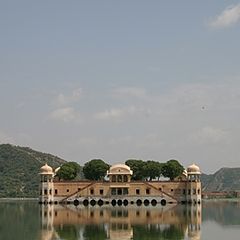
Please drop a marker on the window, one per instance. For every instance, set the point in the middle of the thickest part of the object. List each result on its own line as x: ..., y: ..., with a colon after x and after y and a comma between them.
x: 113, y: 192
x: 184, y: 191
x: 125, y: 191
x: 101, y: 191
x: 56, y: 191
x: 79, y: 189
x: 189, y: 191
x: 119, y: 178
x: 198, y: 191
x: 194, y: 191
x: 91, y: 191
x: 171, y: 190
x: 45, y: 191
x: 50, y: 191
x: 119, y: 191
x: 148, y: 191
x: 67, y: 190
x: 137, y: 191
x: 113, y: 178
x: 160, y: 189
x: 125, y: 178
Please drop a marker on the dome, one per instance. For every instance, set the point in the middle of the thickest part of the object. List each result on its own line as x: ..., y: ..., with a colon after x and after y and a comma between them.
x: 45, y: 169
x: 119, y: 169
x: 193, y: 169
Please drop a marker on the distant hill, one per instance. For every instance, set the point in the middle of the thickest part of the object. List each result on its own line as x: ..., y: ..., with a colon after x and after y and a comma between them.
x: 225, y: 179
x: 19, y: 168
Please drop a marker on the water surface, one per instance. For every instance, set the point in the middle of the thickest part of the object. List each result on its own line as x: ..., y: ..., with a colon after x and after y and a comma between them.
x: 26, y: 220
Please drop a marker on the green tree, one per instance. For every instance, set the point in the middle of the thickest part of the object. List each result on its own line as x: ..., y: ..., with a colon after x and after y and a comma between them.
x: 95, y: 169
x: 152, y: 169
x: 68, y: 171
x: 172, y: 169
x: 137, y: 166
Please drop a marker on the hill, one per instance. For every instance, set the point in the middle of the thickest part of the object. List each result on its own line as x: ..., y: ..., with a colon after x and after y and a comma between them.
x: 19, y: 168
x: 225, y: 179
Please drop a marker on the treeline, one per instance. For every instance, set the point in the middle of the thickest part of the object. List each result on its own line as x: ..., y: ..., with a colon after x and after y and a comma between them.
x: 142, y: 170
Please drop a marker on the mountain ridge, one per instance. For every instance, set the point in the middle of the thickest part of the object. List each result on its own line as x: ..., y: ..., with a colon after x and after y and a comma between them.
x: 19, y: 168
x: 224, y: 179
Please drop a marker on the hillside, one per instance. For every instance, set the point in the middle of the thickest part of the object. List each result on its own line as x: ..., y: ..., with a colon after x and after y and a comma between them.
x: 225, y: 179
x: 19, y: 168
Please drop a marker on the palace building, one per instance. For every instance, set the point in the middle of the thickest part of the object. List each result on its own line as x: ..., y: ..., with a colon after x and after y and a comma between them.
x: 120, y: 189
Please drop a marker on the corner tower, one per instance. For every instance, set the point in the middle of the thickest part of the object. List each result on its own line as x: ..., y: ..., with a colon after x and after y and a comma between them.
x: 193, y: 184
x: 46, y: 184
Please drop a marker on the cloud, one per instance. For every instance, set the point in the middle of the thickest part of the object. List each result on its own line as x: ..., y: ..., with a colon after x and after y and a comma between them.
x: 64, y: 100
x: 4, y: 138
x: 130, y: 92
x: 229, y: 17
x: 19, y: 138
x: 116, y: 113
x: 66, y: 114
x: 210, y: 135
x: 87, y: 141
x: 199, y: 98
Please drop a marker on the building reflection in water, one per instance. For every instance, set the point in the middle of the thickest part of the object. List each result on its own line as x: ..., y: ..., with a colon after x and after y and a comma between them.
x: 67, y: 222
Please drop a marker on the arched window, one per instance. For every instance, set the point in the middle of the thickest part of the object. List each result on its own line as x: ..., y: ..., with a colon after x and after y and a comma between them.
x: 113, y: 178
x: 45, y: 178
x: 119, y: 178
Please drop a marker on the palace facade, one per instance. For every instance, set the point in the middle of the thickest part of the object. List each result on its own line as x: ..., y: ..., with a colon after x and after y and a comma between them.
x: 120, y: 189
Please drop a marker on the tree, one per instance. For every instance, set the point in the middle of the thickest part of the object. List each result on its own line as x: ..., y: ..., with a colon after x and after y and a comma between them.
x: 68, y: 171
x: 95, y: 169
x: 172, y: 169
x: 152, y: 169
x: 137, y: 166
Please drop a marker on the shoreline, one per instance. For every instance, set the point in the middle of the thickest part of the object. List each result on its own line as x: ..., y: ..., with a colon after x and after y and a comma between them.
x: 17, y: 199
x: 203, y: 200
x: 221, y: 199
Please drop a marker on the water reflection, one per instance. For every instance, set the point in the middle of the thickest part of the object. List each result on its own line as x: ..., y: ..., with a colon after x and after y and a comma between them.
x: 31, y: 221
x: 225, y: 213
x: 82, y: 223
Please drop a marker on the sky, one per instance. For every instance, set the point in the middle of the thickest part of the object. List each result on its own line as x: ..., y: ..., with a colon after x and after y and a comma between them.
x: 151, y: 80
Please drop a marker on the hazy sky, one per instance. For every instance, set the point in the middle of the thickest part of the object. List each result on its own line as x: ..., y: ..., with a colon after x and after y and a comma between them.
x: 122, y: 79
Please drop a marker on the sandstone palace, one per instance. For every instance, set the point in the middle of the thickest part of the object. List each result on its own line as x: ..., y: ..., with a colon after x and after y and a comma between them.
x: 119, y: 189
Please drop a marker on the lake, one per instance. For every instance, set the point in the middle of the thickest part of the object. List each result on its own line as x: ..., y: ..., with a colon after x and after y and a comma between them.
x: 27, y: 220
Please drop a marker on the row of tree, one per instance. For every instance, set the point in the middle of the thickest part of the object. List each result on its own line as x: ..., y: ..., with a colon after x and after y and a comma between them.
x: 148, y: 170
x: 142, y: 170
